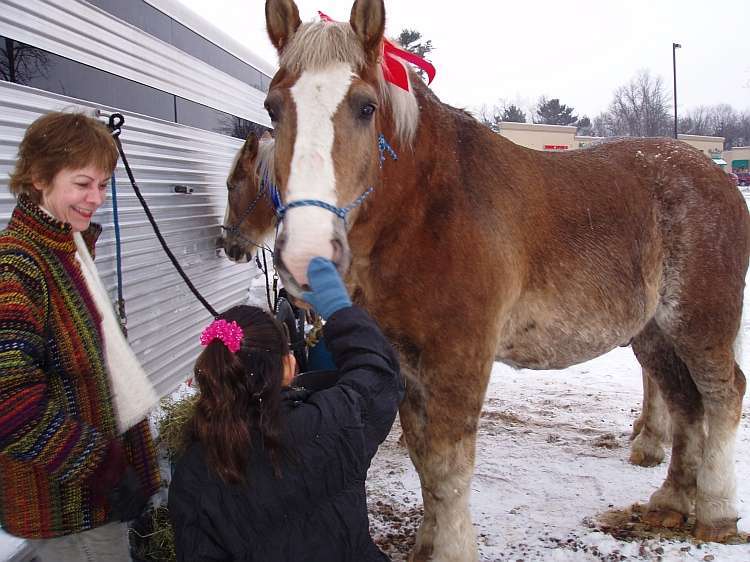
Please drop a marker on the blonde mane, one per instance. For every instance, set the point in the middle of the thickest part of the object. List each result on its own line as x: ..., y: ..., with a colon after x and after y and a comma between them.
x: 264, y: 162
x: 317, y: 45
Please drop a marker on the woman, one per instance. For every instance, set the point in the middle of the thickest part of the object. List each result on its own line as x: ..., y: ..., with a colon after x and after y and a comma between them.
x: 76, y: 454
x: 274, y: 474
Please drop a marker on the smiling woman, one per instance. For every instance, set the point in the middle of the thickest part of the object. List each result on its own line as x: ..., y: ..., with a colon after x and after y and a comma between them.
x: 73, y: 396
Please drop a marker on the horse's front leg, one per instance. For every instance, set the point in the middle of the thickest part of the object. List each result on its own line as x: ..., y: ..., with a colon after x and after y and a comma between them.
x: 439, y: 417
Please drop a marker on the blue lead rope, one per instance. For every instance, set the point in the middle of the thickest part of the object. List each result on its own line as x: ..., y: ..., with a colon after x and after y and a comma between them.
x: 118, y: 255
x: 340, y: 212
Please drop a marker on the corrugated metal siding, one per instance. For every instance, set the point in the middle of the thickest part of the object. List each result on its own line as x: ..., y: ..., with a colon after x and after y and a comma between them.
x: 84, y: 33
x: 164, y: 318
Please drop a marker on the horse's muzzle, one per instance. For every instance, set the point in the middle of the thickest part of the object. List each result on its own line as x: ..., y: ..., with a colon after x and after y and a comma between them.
x: 233, y: 251
x: 338, y: 251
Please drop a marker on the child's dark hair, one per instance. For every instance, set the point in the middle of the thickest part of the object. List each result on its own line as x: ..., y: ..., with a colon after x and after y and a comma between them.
x: 240, y: 393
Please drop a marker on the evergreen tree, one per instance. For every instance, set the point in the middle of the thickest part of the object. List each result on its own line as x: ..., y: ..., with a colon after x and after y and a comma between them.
x: 552, y: 112
x: 411, y: 40
x: 513, y: 114
x: 584, y: 126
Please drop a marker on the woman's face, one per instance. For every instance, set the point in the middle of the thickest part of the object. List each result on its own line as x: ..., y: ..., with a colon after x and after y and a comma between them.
x: 74, y: 195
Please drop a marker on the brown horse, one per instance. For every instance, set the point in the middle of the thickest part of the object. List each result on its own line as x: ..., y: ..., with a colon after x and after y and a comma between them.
x: 249, y: 217
x: 248, y: 224
x: 472, y: 249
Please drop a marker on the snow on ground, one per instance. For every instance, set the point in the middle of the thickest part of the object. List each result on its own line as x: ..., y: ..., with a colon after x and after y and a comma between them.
x: 552, y: 455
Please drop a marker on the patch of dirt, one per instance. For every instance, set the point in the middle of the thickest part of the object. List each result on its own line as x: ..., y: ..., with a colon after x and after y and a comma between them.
x: 628, y: 525
x: 393, y: 527
x: 606, y: 441
x: 504, y: 417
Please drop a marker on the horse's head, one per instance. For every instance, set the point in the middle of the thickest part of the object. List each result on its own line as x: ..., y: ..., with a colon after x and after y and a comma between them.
x: 249, y: 217
x: 328, y: 103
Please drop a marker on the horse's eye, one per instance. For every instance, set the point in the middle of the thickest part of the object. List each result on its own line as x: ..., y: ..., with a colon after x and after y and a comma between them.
x: 367, y: 111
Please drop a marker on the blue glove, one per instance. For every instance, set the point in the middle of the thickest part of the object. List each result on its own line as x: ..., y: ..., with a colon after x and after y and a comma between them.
x: 328, y: 292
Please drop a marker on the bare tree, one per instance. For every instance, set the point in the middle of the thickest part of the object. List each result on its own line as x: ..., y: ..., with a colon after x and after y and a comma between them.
x: 490, y: 117
x: 240, y: 128
x: 743, y: 138
x: 725, y: 122
x: 600, y: 125
x: 20, y: 63
x: 697, y: 121
x: 639, y: 108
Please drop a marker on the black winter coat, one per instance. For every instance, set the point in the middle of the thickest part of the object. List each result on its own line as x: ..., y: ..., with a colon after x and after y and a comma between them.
x: 317, y: 510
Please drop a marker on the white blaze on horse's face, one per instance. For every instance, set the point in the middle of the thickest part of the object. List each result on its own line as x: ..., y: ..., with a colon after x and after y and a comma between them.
x: 309, y: 231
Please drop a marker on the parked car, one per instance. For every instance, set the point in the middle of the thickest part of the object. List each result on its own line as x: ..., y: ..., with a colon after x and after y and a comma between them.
x: 734, y: 178
x: 743, y: 178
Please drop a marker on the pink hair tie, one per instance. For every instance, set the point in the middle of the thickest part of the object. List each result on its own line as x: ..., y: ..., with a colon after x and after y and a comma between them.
x: 229, y: 333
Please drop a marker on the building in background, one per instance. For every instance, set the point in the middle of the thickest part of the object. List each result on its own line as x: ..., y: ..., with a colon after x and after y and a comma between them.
x: 713, y: 147
x: 540, y: 137
x: 738, y: 159
x: 556, y: 138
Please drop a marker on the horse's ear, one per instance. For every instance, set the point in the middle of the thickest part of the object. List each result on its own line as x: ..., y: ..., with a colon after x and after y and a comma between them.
x: 249, y: 153
x: 282, y: 20
x: 368, y: 21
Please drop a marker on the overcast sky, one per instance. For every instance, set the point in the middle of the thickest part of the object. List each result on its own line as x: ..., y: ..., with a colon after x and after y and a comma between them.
x: 579, y: 51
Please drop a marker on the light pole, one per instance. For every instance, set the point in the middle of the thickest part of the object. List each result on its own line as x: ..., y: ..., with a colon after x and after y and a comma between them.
x: 675, y: 46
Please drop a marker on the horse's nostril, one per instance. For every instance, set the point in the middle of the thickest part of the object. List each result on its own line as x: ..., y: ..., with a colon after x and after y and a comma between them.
x: 235, y: 252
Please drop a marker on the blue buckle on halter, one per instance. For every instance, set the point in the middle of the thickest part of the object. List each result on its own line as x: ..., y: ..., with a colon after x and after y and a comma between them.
x: 383, y: 146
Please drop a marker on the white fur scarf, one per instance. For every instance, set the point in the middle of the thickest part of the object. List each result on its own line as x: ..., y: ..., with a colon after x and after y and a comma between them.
x: 133, y: 395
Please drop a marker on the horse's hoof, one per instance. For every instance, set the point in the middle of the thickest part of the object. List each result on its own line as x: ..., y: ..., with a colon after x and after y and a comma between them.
x: 646, y: 459
x: 667, y: 518
x: 720, y: 531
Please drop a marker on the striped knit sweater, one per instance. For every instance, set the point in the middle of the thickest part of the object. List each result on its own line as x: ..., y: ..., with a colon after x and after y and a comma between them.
x: 56, y: 412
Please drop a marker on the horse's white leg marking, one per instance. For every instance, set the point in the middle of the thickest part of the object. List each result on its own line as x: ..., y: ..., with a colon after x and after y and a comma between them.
x: 715, y: 501
x: 447, y: 531
x: 455, y: 540
x: 317, y: 95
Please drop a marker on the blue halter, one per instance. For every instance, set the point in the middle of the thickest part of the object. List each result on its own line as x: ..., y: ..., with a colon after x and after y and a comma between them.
x: 341, y: 212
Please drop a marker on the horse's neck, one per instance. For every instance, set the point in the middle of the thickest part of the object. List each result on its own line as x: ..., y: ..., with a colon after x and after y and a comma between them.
x: 431, y: 165
x: 408, y: 184
x: 452, y: 157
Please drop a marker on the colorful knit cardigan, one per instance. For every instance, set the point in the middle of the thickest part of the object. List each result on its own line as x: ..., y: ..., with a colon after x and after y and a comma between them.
x: 56, y: 413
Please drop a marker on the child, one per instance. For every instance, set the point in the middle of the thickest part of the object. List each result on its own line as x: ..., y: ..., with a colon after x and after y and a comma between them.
x: 276, y: 473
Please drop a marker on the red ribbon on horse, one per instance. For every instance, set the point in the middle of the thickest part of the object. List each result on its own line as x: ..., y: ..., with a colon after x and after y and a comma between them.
x: 392, y: 61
